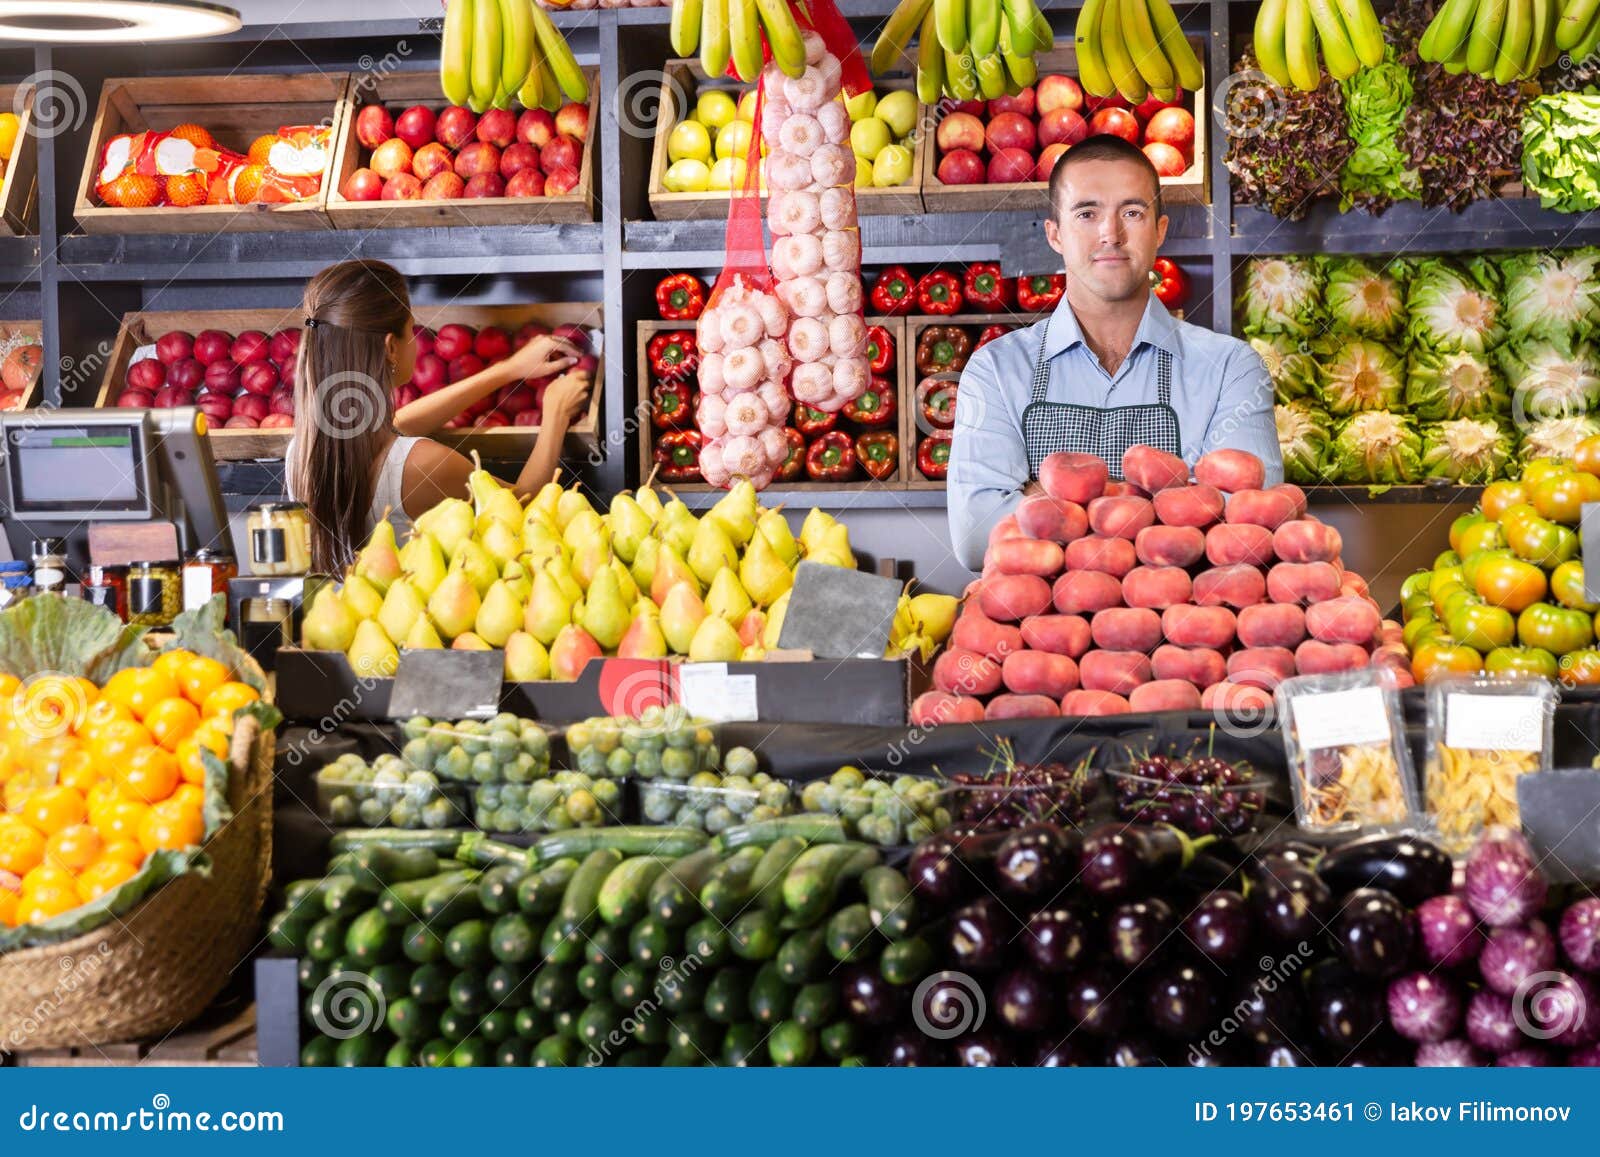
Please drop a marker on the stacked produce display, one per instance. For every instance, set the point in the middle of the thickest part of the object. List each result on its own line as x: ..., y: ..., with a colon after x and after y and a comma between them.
x: 186, y: 166
x: 497, y: 50
x: 455, y: 352
x: 21, y: 357
x: 965, y: 51
x: 238, y: 381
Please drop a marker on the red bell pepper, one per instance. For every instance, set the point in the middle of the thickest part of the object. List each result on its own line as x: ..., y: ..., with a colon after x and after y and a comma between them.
x: 810, y: 421
x: 936, y: 401
x: 986, y: 291
x: 933, y: 455
x: 878, y: 453
x: 943, y: 347
x: 1040, y: 292
x: 671, y: 405
x: 678, y: 456
x: 990, y: 332
x: 673, y: 355
x: 894, y: 292
x: 680, y: 296
x: 795, y: 464
x: 880, y: 349
x: 1171, y: 283
x: 875, y: 406
x: 831, y: 458
x: 939, y: 294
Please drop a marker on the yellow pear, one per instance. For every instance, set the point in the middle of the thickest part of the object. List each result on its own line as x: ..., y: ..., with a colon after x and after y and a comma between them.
x: 571, y: 652
x: 763, y: 573
x: 541, y: 540
x: 752, y: 654
x: 681, y: 615
x: 643, y: 567
x: 546, y: 501
x: 935, y: 615
x: 834, y: 548
x: 774, y: 627
x: 422, y: 636
x: 752, y: 627
x: 361, y: 597
x: 813, y: 528
x: 625, y: 583
x: 629, y: 526
x: 402, y: 607
x: 470, y: 642
x: 424, y: 563
x: 670, y: 571
x: 715, y: 641
x: 727, y: 598
x: 711, y: 551
x: 605, y: 611
x: 379, y: 560
x: 676, y: 526
x: 585, y: 527
x: 473, y: 561
x: 500, y: 542
x: 590, y: 559
x: 643, y: 606
x: 329, y: 625
x: 648, y: 502
x: 736, y: 511
x: 454, y: 604
x: 499, y: 615
x: 548, y: 608
x: 562, y: 573
x: 491, y: 498
x: 371, y: 654
x: 520, y: 586
x: 526, y: 659
x: 643, y: 638
x: 571, y: 504
x: 451, y: 522
x: 774, y: 527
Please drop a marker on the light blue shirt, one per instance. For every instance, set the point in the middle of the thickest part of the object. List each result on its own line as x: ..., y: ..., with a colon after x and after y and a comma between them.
x: 1220, y: 390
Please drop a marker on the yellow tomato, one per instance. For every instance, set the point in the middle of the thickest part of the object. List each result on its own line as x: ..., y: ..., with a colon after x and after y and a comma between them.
x: 173, y: 825
x: 171, y: 721
x: 98, y: 879
x: 73, y: 848
x: 228, y: 698
x: 151, y: 775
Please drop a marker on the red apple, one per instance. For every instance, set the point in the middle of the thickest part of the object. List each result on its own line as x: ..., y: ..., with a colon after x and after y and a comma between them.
x: 443, y: 187
x: 168, y: 398
x: 517, y: 157
x: 1010, y: 165
x: 415, y: 126
x: 572, y: 334
x: 402, y: 187
x: 1061, y: 126
x: 464, y: 367
x: 391, y: 158
x: 497, y: 127
x: 572, y: 119
x: 561, y: 153
x: 1022, y: 103
x: 1118, y: 122
x: 405, y: 395
x: 174, y: 347
x: 1172, y: 126
x: 217, y: 408
x: 286, y: 375
x: 374, y: 125
x: 188, y: 374
x: 974, y: 108
x: 452, y: 341
x: 430, y: 373
x: 212, y: 345
x: 135, y: 399
x: 259, y: 378
x: 241, y: 422
x: 587, y: 364
x: 476, y: 158
x: 1011, y: 130
x: 1094, y: 104
x: 455, y: 126
x: 431, y: 160
x: 1057, y: 91
x: 527, y: 333
x: 362, y: 185
x: 1151, y: 105
x: 423, y: 336
x: 282, y: 402
x: 536, y: 127
x: 485, y: 185
x: 1168, y: 161
x: 494, y: 419
x: 959, y: 130
x: 527, y: 182
x: 148, y: 374
x: 253, y: 406
x: 277, y: 422
x: 560, y: 180
x: 223, y: 376
x: 515, y: 400
x: 1047, y: 161
x: 250, y: 346
x: 528, y: 418
x: 492, y: 344
x: 285, y: 346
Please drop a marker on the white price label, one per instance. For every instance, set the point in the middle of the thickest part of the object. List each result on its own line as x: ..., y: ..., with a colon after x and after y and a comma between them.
x: 1493, y: 722
x: 707, y: 690
x: 196, y: 587
x: 1341, y: 718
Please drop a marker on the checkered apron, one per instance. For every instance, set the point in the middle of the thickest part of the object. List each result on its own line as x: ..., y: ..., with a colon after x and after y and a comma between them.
x: 1049, y: 427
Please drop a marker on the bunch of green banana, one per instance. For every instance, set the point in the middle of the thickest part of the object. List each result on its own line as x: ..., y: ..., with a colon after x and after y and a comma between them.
x: 727, y: 31
x: 1509, y: 40
x: 1135, y: 48
x: 966, y: 49
x: 1288, y: 34
x: 497, y: 50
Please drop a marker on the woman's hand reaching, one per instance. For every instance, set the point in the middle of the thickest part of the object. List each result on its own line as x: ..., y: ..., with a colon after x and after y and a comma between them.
x: 566, y: 398
x: 540, y: 358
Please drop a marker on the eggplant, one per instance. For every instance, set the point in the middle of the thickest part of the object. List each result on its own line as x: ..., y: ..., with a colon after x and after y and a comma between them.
x: 1097, y: 999
x: 1055, y: 940
x: 1137, y: 929
x: 1374, y: 933
x: 1269, y: 1012
x: 1448, y: 931
x: 983, y: 1050
x: 868, y: 997
x: 1291, y: 902
x: 1118, y: 861
x: 950, y: 1004
x: 1283, y: 1055
x: 1223, y: 1056
x: 1528, y: 1058
x: 908, y: 1048
x: 1512, y: 955
x: 950, y: 866
x: 1181, y: 1002
x: 1064, y: 1054
x: 1035, y: 861
x: 1502, y: 881
x: 1492, y: 1022
x: 1219, y: 926
x: 1410, y: 868
x: 1448, y: 1054
x: 1132, y: 1052
x: 978, y: 934
x: 1424, y: 1008
x: 1346, y: 1008
x: 1024, y: 1002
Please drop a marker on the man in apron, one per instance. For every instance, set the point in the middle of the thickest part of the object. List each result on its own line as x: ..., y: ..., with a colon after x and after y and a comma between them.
x: 1110, y: 368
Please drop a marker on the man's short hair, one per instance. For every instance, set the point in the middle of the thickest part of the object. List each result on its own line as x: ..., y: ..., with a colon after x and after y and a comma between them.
x: 1101, y: 147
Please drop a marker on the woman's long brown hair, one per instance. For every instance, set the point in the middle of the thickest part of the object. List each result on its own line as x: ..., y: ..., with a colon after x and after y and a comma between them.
x: 344, y: 409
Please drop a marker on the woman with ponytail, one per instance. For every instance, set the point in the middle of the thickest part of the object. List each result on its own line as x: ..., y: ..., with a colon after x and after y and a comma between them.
x: 353, y: 455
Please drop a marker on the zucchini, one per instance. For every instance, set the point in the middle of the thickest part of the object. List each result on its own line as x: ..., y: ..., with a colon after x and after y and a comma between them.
x: 411, y: 1020
x: 727, y: 889
x: 639, y: 1057
x: 560, y: 945
x: 583, y: 892
x: 650, y: 940
x: 498, y: 1025
x: 430, y: 983
x: 707, y: 939
x: 467, y: 944
x: 804, y: 956
x: 310, y: 973
x: 508, y: 987
x: 694, y: 1032
x: 391, y: 980
x: 770, y: 997
x: 422, y: 944
x: 675, y: 896
x: 906, y: 961
x: 306, y: 899
x: 347, y: 896
x: 766, y: 885
x: 401, y: 1055
x: 402, y: 903
x: 594, y: 981
x: 812, y: 884
x: 539, y: 893
x: 444, y: 844
x: 816, y: 1005
x: 840, y: 1039
x: 597, y: 1021
x: 513, y: 940
x: 474, y: 1053
x: 626, y: 891
x: 744, y: 1045
x: 850, y: 933
x: 341, y: 864
x: 372, y: 940
x: 889, y: 900
x: 565, y: 1021
x: 679, y: 993
x: 515, y: 1053
x: 810, y: 829
x: 627, y: 840
x: 792, y: 1044
x: 378, y: 865
x: 497, y: 889
x: 606, y: 945
x: 555, y: 989
x: 754, y: 936
x: 325, y: 938
x: 630, y: 984
x: 481, y: 852
x: 435, y: 1054
x: 288, y: 934
x: 689, y: 1058
x: 451, y: 901
x: 555, y: 1052
x: 318, y: 1053
x: 650, y: 1027
x: 532, y: 1023
x: 728, y: 995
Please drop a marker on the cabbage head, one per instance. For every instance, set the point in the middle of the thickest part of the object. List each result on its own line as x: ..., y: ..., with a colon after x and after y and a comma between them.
x: 1360, y: 374
x: 1454, y: 306
x: 1292, y: 368
x: 1471, y: 451
x: 1280, y: 295
x: 1455, y: 384
x: 1303, y: 435
x: 1376, y: 448
x: 1363, y: 298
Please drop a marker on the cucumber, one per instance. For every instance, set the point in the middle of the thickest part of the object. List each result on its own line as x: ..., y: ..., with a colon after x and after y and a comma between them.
x: 402, y: 903
x: 812, y: 884
x: 318, y: 1053
x: 811, y: 829
x: 650, y: 940
x: 532, y: 1023
x: 840, y: 1039
x: 770, y: 997
x: 565, y: 1021
x: 363, y: 1051
x: 379, y: 865
x: 594, y: 981
x: 906, y: 961
x: 689, y: 1058
x: 411, y: 1020
x: 560, y: 945
x: 498, y: 1025
x: 631, y: 983
x: 442, y: 843
x: 755, y: 936
x: 679, y: 993
x: 512, y: 940
x: 435, y: 1054
x: 803, y: 957
x: 508, y: 987
x: 792, y: 1044
x: 606, y: 945
x: 624, y: 895
x: 555, y: 989
x: 889, y: 900
x: 310, y: 973
x: 627, y: 840
x: 554, y: 1052
x: 850, y: 933
x: 430, y: 983
x: 597, y: 1022
x: 707, y: 939
x: 455, y: 1026
x: 467, y: 944
x: 347, y: 896
x: 497, y: 889
x: 482, y: 852
x: 325, y: 938
x: 401, y: 1055
x: 651, y: 1027
x: 451, y: 902
x: 391, y: 980
x: 515, y: 1053
x: 341, y: 864
x: 766, y: 885
x: 474, y: 1053
x: 674, y: 897
x: 422, y: 944
x: 469, y: 993
x: 539, y: 893
x: 288, y: 934
x: 744, y: 1046
x: 727, y: 997
x: 307, y: 899
x: 583, y: 893
x: 727, y: 889
x: 694, y: 1032
x: 371, y: 939
x: 816, y: 1005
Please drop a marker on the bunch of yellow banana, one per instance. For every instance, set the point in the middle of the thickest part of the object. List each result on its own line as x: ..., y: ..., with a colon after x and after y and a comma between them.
x: 966, y: 49
x: 731, y: 31
x: 495, y: 50
x: 1288, y: 34
x: 1136, y: 48
x: 1509, y: 40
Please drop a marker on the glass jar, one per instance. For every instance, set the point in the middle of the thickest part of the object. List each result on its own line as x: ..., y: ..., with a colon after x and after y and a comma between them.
x: 154, y: 598
x: 107, y: 587
x: 280, y: 539
x: 205, y: 573
x: 50, y: 565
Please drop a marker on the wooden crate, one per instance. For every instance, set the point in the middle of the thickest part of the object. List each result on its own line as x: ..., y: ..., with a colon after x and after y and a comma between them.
x: 1192, y: 188
x: 19, y: 190
x: 647, y: 432
x: 408, y: 88
x: 140, y: 329
x: 680, y: 79
x: 34, y: 391
x: 225, y: 1035
x: 235, y: 109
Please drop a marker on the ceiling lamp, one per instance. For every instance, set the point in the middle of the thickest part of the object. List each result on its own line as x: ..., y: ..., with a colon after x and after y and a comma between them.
x: 113, y: 21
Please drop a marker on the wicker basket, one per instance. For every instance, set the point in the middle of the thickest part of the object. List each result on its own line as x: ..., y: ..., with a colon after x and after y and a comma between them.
x: 167, y: 959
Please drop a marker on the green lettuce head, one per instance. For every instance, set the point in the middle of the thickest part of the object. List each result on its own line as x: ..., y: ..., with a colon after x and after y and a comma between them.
x: 1377, y: 448
x: 1280, y: 295
x: 1364, y: 299
x: 1550, y: 295
x: 1360, y: 375
x: 1471, y: 451
x: 1303, y: 435
x: 1293, y: 370
x: 1556, y: 437
x: 1454, y: 306
x: 1455, y: 384
x: 1551, y: 379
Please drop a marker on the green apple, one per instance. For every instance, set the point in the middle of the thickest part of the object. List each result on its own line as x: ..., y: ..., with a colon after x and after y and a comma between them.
x: 861, y: 105
x: 898, y: 110
x: 869, y: 137
x: 863, y: 174
x: 892, y: 167
x: 727, y: 174
x: 687, y: 176
x: 689, y: 141
x: 715, y: 108
x: 747, y: 106
x: 733, y: 140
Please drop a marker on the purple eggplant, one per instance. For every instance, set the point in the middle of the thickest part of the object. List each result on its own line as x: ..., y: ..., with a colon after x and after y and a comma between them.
x: 1063, y: 1054
x: 1035, y: 861
x: 1268, y: 1010
x: 1291, y: 902
x: 1283, y: 1055
x: 1525, y: 1058
x: 1503, y: 883
x: 1373, y: 933
x: 1219, y: 926
x: 1514, y: 954
x: 1286, y: 852
x: 952, y: 865
x: 1118, y: 862
x: 1492, y: 1022
x: 1424, y: 1008
x: 1580, y: 934
x: 983, y: 1050
x: 1096, y: 999
x: 1345, y: 1007
x: 949, y: 1004
x: 1181, y: 1002
x: 908, y: 1048
x: 868, y: 997
x: 1023, y: 1001
x: 1448, y: 1054
x: 1407, y: 867
x: 978, y: 934
x: 1055, y: 940
x: 1135, y: 930
x: 1448, y: 931
x: 1131, y: 1052
x: 1562, y: 1008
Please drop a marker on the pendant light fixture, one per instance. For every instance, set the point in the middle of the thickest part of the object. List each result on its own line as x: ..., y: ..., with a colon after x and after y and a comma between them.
x: 113, y: 21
